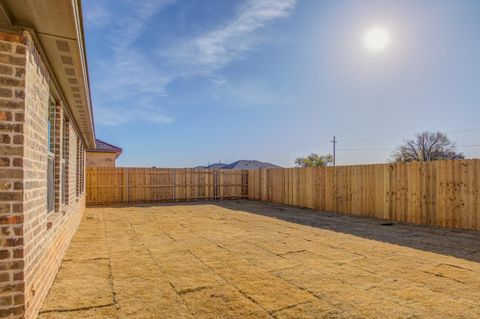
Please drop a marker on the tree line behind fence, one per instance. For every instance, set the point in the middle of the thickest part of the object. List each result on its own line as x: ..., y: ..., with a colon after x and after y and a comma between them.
x: 439, y: 193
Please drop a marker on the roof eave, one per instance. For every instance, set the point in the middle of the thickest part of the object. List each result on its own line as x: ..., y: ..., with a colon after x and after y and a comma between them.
x: 50, y: 23
x: 81, y: 39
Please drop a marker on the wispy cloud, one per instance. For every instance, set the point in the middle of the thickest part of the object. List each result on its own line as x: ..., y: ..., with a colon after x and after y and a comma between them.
x: 98, y: 16
x: 129, y: 113
x: 132, y: 25
x: 137, y: 70
x: 129, y: 75
x: 215, y: 49
x: 218, y: 81
x: 250, y: 93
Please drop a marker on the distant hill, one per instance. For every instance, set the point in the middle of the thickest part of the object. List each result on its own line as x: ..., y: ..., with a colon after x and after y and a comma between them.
x: 241, y: 164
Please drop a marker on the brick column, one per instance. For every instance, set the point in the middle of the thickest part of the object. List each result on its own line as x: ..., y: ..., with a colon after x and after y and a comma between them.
x: 58, y: 144
x: 12, y: 129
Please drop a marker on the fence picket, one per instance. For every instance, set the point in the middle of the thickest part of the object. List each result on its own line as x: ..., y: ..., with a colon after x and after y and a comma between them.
x: 441, y: 193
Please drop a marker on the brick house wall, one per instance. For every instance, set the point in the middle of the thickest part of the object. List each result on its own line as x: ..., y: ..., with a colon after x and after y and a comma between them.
x: 72, y: 165
x: 12, y: 114
x: 33, y: 241
x: 57, y: 151
x: 101, y: 159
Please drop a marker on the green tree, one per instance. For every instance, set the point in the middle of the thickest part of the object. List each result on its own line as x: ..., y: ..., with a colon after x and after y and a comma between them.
x: 427, y: 146
x: 314, y: 160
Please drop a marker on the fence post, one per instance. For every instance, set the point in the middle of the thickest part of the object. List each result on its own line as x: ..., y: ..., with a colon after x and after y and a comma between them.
x: 174, y: 184
x: 127, y: 187
x: 215, y: 184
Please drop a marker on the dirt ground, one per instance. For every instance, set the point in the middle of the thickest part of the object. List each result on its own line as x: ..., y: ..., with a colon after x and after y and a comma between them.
x: 244, y: 259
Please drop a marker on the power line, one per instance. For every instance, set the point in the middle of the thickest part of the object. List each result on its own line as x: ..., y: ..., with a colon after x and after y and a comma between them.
x: 463, y: 130
x: 364, y: 149
x: 389, y: 149
x: 361, y: 139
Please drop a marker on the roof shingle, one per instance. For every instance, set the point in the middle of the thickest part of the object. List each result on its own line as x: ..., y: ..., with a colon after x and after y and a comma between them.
x: 102, y: 146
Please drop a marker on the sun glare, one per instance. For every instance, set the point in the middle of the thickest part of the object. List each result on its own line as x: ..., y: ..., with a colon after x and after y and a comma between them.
x: 377, y: 39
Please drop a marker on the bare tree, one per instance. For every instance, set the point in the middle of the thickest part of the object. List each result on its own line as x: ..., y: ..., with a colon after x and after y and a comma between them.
x: 314, y: 160
x: 427, y: 146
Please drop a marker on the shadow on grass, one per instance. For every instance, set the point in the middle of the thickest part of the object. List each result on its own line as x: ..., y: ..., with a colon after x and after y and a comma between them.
x: 453, y: 242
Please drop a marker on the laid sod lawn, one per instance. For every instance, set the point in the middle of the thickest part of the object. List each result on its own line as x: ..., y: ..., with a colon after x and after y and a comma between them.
x: 247, y: 259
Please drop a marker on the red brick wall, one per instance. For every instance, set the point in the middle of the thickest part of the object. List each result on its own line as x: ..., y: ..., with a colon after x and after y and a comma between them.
x: 12, y: 127
x: 58, y: 143
x: 100, y: 159
x: 72, y: 164
x: 33, y: 242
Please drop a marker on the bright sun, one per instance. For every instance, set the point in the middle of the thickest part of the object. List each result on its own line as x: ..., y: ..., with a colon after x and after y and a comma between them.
x: 377, y: 39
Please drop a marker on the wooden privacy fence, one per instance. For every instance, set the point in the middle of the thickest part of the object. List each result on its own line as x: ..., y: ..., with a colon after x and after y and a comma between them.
x: 143, y: 185
x: 441, y: 193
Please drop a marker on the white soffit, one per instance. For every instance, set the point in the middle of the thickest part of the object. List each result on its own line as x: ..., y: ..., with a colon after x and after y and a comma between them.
x: 57, y: 26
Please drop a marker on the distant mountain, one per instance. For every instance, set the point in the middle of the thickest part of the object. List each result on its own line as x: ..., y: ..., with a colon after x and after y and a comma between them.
x: 241, y: 164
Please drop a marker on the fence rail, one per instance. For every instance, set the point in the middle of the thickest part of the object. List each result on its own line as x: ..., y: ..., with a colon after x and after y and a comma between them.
x: 143, y: 185
x: 440, y: 193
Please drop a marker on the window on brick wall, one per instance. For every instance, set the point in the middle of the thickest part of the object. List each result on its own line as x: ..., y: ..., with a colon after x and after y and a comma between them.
x: 50, y: 155
x: 51, y: 126
x: 77, y: 175
x: 65, y: 155
x: 50, y: 183
x: 82, y: 169
x: 79, y: 167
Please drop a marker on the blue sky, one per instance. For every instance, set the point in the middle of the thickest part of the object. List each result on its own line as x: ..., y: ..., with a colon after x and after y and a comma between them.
x: 184, y: 83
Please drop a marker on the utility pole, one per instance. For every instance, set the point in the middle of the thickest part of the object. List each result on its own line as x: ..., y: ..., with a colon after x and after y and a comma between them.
x: 334, y: 141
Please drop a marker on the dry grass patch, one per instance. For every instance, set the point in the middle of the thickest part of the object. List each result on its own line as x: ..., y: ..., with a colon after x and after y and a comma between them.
x: 242, y: 259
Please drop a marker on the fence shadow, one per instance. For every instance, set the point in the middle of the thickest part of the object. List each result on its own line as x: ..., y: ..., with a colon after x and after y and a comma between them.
x: 453, y: 242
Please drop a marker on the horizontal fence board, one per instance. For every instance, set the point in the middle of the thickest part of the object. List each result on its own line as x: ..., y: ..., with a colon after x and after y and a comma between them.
x: 440, y: 193
x: 123, y: 185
